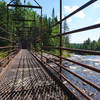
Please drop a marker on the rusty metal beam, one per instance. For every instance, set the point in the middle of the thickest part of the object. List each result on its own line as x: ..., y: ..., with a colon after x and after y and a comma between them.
x: 73, y: 85
x: 76, y: 11
x: 27, y: 6
x: 6, y: 62
x: 4, y: 30
x: 37, y: 3
x: 60, y: 49
x: 78, y: 30
x: 5, y: 47
x: 4, y: 38
x: 6, y: 52
x: 11, y: 1
x: 23, y: 20
x: 75, y: 50
x: 67, y: 91
x: 83, y: 29
x: 6, y: 56
x: 76, y: 87
x: 78, y: 63
x: 80, y: 77
x: 27, y: 27
x: 41, y: 32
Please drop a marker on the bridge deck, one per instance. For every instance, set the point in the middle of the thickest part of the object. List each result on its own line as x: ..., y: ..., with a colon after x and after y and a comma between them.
x: 25, y: 79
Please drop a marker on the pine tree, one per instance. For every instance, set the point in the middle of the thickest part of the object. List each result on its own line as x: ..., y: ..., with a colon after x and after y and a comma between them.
x: 66, y: 29
x: 53, y: 15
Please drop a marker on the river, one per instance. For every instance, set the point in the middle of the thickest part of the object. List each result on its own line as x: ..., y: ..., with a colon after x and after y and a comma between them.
x: 86, y: 73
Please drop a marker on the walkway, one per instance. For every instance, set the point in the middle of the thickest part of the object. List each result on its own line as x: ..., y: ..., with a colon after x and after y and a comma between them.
x: 25, y: 79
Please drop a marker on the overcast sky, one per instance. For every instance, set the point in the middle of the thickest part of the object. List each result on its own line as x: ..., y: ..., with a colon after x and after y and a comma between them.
x: 86, y: 17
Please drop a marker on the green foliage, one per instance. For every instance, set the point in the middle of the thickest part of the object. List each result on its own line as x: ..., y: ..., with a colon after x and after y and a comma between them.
x: 87, y: 45
x: 3, y: 22
x: 66, y: 54
x: 33, y: 34
x: 2, y: 55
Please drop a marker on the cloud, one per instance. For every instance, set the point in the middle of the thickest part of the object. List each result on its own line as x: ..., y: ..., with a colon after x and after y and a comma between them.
x: 98, y: 21
x: 97, y: 5
x: 69, y: 9
x: 69, y: 20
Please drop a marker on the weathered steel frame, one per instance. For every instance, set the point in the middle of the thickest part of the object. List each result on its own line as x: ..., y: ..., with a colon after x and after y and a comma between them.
x: 60, y: 48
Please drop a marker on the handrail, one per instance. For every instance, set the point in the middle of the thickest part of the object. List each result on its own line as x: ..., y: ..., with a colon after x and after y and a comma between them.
x: 66, y: 69
x: 75, y: 50
x: 61, y: 48
x: 78, y: 63
x: 3, y: 38
x: 6, y: 62
x: 6, y: 52
x: 4, y: 30
x: 73, y: 85
x: 5, y: 47
x: 75, y: 31
x: 79, y: 30
x: 76, y: 11
x: 6, y: 57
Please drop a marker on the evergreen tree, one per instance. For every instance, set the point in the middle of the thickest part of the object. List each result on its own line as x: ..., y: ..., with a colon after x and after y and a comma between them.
x: 3, y: 22
x: 98, y: 44
x: 53, y: 15
x: 66, y: 29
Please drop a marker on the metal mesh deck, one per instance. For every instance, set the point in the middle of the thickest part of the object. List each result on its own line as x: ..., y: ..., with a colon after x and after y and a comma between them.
x: 25, y: 79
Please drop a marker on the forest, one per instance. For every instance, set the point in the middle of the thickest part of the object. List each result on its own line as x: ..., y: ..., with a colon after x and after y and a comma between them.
x: 31, y: 31
x: 87, y: 44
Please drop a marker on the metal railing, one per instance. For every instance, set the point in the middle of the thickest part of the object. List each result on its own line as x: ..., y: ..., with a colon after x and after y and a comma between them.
x: 61, y: 49
x: 10, y: 50
x: 6, y: 52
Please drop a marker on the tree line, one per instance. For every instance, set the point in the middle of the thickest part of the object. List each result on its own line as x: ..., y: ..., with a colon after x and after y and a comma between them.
x: 87, y: 44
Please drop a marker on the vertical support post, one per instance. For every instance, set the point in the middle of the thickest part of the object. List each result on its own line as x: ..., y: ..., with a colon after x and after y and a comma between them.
x: 8, y: 27
x: 60, y: 36
x: 7, y: 19
x: 13, y: 35
x: 41, y: 34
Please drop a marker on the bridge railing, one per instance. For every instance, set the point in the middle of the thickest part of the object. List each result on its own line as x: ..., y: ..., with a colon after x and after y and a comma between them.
x: 61, y: 49
x: 6, y: 52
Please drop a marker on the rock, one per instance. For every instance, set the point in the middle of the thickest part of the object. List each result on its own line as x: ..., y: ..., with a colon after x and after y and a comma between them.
x: 91, y: 93
x: 84, y: 83
x: 79, y: 82
x: 84, y: 91
x: 73, y: 91
x: 64, y: 82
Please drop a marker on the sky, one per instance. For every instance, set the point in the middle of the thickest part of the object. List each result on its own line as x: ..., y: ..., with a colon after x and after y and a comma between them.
x: 88, y: 16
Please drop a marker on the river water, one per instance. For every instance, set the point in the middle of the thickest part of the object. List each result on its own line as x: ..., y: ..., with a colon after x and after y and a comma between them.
x: 86, y: 73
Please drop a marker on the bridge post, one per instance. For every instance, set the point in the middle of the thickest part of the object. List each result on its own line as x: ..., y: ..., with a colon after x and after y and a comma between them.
x: 60, y: 36
x: 8, y: 28
x: 41, y: 33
